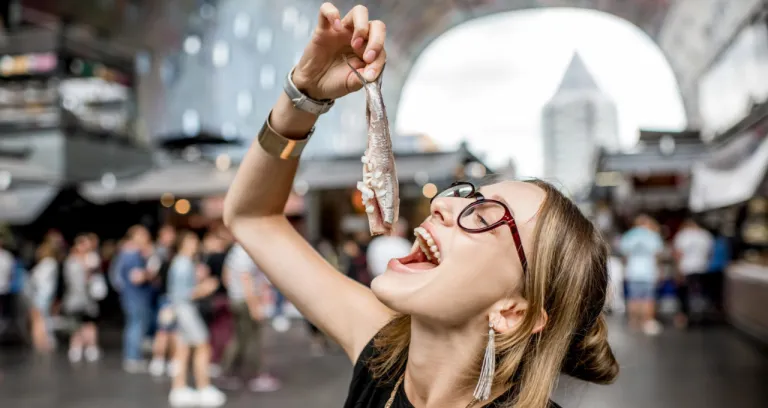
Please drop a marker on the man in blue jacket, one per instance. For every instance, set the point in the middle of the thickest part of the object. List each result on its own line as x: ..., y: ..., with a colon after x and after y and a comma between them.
x: 133, y: 279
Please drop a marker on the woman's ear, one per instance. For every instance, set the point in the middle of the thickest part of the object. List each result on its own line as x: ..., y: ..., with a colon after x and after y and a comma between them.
x: 512, y: 316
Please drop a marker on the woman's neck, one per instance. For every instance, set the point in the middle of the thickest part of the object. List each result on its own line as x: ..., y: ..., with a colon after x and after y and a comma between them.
x: 438, y: 364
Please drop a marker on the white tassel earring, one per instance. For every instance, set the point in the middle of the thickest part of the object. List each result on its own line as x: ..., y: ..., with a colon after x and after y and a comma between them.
x: 488, y: 369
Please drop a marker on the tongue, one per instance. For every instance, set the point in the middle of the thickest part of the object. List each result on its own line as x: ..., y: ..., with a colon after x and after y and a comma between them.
x: 421, y: 265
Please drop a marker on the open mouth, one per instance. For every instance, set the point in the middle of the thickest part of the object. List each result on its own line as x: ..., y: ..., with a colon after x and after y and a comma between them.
x: 426, y: 254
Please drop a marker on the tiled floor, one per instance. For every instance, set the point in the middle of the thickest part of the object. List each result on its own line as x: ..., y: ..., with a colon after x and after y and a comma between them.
x: 702, y: 368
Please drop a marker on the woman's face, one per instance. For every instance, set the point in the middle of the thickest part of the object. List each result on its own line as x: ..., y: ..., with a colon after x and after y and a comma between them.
x: 82, y: 245
x: 191, y: 245
x: 475, y: 271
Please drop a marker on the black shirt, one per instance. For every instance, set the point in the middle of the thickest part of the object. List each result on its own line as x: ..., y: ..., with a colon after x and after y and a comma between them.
x: 366, y: 392
x: 215, y: 262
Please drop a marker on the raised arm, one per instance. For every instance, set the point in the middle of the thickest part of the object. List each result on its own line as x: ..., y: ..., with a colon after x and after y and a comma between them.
x: 253, y: 209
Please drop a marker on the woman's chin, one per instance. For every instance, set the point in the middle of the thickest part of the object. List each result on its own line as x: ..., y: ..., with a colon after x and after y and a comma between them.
x: 398, y: 286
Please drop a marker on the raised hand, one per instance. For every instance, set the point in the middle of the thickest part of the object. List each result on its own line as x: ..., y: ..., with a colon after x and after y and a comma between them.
x: 322, y: 72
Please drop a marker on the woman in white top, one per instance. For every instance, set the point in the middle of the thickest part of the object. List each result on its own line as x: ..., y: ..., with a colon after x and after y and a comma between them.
x: 80, y: 268
x: 43, y: 285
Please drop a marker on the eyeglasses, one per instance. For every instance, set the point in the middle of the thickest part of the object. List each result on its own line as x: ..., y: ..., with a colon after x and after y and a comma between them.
x: 484, y: 214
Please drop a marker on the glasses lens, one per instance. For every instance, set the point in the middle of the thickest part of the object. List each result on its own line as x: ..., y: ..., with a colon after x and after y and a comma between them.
x: 459, y: 190
x: 482, y: 214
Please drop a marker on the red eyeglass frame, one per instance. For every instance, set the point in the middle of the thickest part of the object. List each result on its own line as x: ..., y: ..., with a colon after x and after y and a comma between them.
x: 507, y: 219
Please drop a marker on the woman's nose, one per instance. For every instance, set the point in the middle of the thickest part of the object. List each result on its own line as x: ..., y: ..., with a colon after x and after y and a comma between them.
x: 442, y: 210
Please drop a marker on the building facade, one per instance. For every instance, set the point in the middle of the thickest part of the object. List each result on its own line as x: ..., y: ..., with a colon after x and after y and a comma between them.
x: 577, y: 121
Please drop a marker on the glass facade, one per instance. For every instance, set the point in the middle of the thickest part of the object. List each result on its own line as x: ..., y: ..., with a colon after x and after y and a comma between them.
x: 736, y: 81
x: 217, y: 65
x: 229, y: 71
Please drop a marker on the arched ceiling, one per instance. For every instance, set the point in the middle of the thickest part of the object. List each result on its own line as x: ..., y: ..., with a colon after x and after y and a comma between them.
x: 690, y: 32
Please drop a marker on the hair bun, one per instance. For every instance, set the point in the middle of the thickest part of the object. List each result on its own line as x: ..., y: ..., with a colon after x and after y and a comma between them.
x: 590, y: 357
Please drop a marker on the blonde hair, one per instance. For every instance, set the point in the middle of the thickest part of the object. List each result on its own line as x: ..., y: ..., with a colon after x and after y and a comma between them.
x: 567, y: 277
x: 45, y: 250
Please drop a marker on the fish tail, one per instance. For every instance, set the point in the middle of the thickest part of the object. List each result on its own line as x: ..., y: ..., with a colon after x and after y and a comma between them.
x: 359, y: 76
x: 381, y: 75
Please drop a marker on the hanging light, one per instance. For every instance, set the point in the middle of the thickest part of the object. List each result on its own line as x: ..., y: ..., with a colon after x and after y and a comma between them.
x: 223, y: 162
x: 429, y: 190
x: 108, y: 180
x: 183, y: 206
x: 167, y: 200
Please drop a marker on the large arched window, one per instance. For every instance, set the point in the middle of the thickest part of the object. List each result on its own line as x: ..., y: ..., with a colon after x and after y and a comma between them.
x: 487, y: 80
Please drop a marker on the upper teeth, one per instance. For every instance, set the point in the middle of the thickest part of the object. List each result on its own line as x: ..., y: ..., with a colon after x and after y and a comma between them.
x: 427, y: 244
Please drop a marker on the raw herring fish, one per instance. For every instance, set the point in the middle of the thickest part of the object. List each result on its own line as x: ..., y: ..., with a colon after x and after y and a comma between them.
x: 379, y: 188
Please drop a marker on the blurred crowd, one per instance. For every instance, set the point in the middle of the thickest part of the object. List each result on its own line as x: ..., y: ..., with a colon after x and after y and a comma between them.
x: 189, y: 301
x: 652, y: 265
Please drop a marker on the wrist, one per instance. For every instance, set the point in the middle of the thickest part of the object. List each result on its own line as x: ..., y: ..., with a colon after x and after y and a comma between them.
x: 304, y: 83
x: 290, y: 122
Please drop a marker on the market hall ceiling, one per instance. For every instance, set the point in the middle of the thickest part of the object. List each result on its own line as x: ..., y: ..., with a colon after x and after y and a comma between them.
x: 690, y: 32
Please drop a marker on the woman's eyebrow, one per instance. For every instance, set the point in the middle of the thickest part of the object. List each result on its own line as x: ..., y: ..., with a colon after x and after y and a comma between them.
x: 500, y: 198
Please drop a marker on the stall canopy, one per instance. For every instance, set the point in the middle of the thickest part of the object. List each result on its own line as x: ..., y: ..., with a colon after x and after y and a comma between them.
x: 182, y: 179
x: 26, y: 171
x: 732, y: 174
x: 26, y: 190
x: 202, y: 178
x: 344, y: 172
x: 23, y: 204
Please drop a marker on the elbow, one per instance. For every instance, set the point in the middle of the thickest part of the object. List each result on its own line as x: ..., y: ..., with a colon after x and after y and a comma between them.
x: 229, y: 218
x: 239, y: 219
x: 230, y: 215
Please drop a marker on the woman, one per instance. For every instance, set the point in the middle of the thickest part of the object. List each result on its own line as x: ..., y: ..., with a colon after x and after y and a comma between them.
x: 642, y: 246
x: 187, y: 283
x: 43, y: 285
x: 165, y: 326
x: 78, y: 302
x: 516, y: 296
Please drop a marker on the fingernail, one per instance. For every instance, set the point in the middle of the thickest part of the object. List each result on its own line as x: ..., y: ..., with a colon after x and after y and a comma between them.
x: 369, y: 56
x: 370, y: 74
x: 357, y: 42
x: 337, y: 24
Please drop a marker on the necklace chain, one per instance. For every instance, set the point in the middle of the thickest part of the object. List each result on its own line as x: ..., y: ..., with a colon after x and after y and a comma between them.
x: 397, y: 387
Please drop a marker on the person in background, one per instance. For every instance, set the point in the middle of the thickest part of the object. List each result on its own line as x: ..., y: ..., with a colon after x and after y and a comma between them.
x: 320, y: 343
x: 188, y: 281
x: 615, y: 301
x: 43, y: 288
x: 641, y: 247
x: 56, y: 239
x: 713, y: 279
x: 78, y: 302
x: 165, y: 333
x: 94, y: 254
x: 166, y: 241
x: 164, y: 244
x: 18, y: 319
x: 60, y: 247
x: 107, y: 252
x: 135, y: 294
x: 246, y: 287
x: 384, y: 248
x: 354, y: 260
x: 7, y: 265
x: 692, y: 249
x: 163, y: 250
x: 216, y: 247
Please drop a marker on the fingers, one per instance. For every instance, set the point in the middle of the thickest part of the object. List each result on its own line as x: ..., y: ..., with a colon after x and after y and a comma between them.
x: 357, y: 18
x: 376, y: 37
x: 329, y: 17
x: 374, y: 69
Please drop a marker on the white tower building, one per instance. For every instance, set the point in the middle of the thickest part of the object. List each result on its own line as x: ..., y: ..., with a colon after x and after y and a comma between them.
x: 576, y: 122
